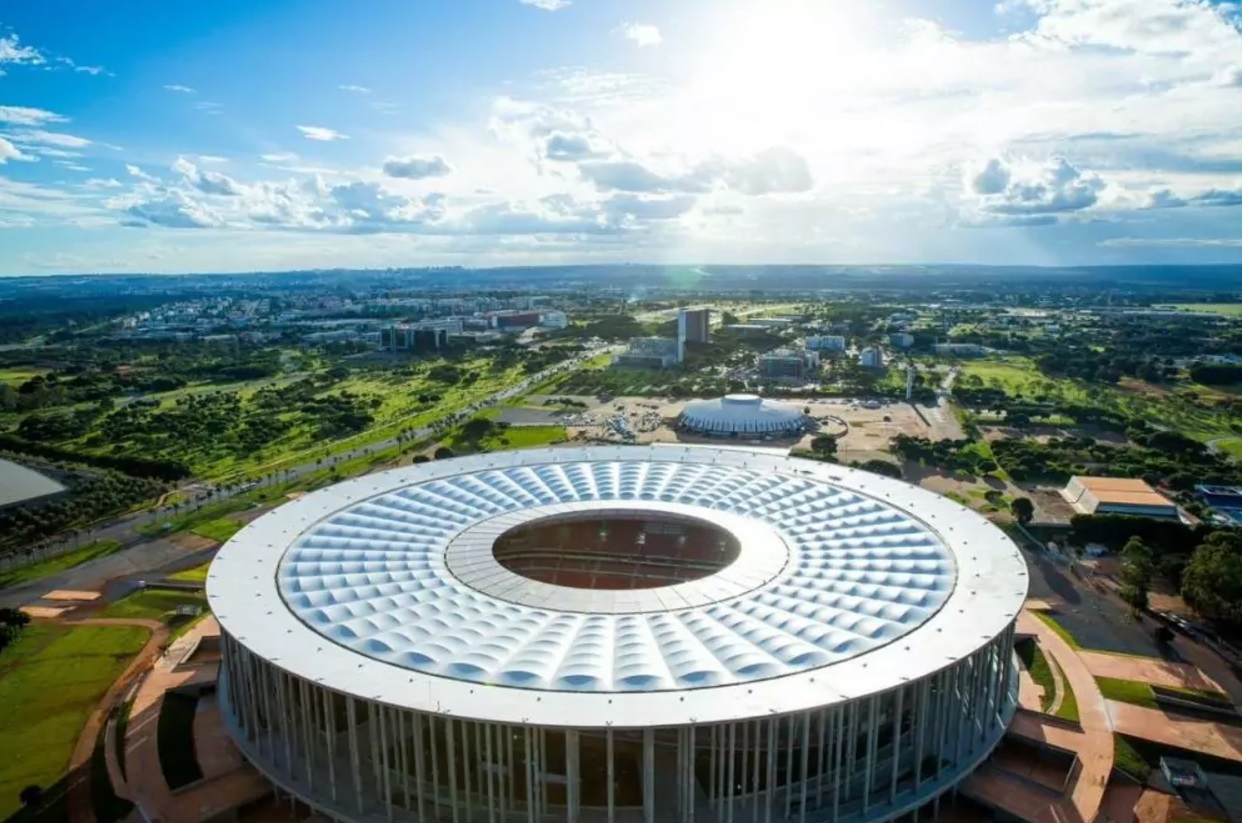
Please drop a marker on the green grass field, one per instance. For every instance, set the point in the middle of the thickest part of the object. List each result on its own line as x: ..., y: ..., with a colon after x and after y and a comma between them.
x: 198, y: 574
x: 1228, y: 309
x: 1069, y: 702
x: 16, y: 375
x: 1232, y: 447
x: 50, y: 681
x: 1127, y: 691
x: 1128, y: 760
x: 155, y: 604
x: 46, y: 568
x: 526, y: 437
x: 220, y: 529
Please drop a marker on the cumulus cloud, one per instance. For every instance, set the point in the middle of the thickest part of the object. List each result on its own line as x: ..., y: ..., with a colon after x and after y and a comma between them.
x: 174, y: 210
x: 773, y: 171
x: 134, y: 171
x: 26, y: 116
x: 1034, y: 189
x: 180, y: 89
x: 10, y: 152
x: 416, y: 168
x: 208, y: 182
x: 641, y: 34
x: 572, y: 147
x: 321, y: 133
x: 1219, y: 197
x: 547, y: 5
x: 12, y: 51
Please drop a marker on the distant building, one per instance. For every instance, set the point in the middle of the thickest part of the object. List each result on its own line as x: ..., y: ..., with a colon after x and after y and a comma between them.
x: 553, y: 320
x: 1226, y: 501
x: 960, y: 350
x: 1117, y: 495
x: 649, y: 353
x: 826, y: 342
x: 772, y: 322
x: 871, y: 358
x: 414, y: 338
x: 901, y: 340
x: 786, y: 363
x: 512, y: 320
x: 746, y: 329
x: 694, y: 325
x: 20, y: 486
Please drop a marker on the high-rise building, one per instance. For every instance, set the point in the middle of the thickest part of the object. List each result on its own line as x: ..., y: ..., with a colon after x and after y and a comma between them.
x: 871, y: 358
x: 694, y: 325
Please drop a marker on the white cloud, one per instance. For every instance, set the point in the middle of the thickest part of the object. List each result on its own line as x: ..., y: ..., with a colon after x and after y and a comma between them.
x: 25, y: 116
x: 278, y: 157
x: 547, y: 5
x: 12, y: 51
x: 1173, y: 242
x: 180, y: 89
x: 321, y: 133
x: 212, y: 159
x: 641, y: 34
x: 134, y: 171
x: 416, y: 168
x: 10, y: 152
x: 208, y: 182
x: 49, y: 138
x: 71, y: 166
x: 210, y: 107
x: 103, y: 183
x: 175, y: 210
x: 774, y: 170
x: 355, y: 89
x: 1030, y: 189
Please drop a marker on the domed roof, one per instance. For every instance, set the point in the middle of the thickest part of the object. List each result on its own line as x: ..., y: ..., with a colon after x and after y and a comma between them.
x: 741, y: 414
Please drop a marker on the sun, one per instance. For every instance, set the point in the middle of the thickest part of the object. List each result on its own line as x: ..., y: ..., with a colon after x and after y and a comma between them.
x: 776, y: 70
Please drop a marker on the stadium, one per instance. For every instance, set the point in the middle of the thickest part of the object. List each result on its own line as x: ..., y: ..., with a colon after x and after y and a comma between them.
x: 742, y: 415
x: 618, y: 634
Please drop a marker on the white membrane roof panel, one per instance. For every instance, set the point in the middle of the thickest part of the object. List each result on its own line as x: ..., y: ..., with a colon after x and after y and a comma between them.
x: 386, y: 586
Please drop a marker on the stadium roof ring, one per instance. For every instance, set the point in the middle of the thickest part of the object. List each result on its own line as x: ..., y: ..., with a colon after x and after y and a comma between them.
x: 844, y: 584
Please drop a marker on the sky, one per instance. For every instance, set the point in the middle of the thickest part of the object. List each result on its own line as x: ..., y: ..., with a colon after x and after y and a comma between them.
x: 148, y: 136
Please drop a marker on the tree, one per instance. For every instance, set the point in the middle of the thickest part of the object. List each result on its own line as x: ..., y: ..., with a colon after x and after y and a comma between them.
x: 877, y: 466
x: 1137, y: 568
x: 824, y: 445
x: 443, y: 453
x: 1212, y: 581
x: 1023, y: 509
x: 31, y: 796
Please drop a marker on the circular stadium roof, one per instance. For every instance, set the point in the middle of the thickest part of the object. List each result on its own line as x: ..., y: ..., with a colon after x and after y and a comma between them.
x: 845, y: 583
x: 741, y: 414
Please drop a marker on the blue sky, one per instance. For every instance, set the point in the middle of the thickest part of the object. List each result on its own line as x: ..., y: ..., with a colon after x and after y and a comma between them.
x: 238, y: 136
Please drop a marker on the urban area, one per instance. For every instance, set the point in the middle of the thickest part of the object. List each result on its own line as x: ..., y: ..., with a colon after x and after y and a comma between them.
x: 622, y: 543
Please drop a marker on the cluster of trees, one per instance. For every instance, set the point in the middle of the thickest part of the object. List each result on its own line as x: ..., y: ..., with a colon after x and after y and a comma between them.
x: 12, y: 621
x: 950, y: 455
x: 134, y: 466
x: 1161, y: 457
x: 90, y: 498
x: 1216, y: 375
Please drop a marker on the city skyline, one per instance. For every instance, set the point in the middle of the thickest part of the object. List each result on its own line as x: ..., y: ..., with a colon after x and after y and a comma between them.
x: 536, y: 132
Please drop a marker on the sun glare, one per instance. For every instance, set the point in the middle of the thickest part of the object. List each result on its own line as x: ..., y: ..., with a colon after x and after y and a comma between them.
x: 776, y: 70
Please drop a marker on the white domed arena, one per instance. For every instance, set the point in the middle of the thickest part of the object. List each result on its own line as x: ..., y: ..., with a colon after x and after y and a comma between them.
x: 618, y: 634
x: 742, y: 415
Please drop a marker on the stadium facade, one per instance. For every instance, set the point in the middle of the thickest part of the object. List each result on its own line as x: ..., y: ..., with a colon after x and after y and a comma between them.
x: 742, y: 415
x: 618, y: 634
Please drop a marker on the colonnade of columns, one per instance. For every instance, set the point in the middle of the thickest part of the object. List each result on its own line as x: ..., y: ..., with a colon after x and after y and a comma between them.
x: 869, y: 759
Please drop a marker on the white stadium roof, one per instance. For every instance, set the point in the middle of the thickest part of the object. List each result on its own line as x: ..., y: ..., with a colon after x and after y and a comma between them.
x: 846, y: 583
x: 741, y: 414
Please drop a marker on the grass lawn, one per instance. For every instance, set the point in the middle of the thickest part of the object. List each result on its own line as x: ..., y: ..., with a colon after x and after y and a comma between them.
x: 220, y: 529
x: 525, y: 437
x: 198, y: 574
x: 1232, y: 447
x: 1128, y: 760
x: 1229, y: 309
x: 16, y: 375
x: 175, y: 740
x: 1041, y: 672
x: 1059, y: 629
x: 156, y: 604
x: 1127, y: 691
x: 46, y: 568
x: 1069, y: 703
x: 50, y: 681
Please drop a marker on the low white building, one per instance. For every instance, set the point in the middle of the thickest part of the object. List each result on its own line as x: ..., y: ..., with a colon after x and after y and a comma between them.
x: 826, y: 342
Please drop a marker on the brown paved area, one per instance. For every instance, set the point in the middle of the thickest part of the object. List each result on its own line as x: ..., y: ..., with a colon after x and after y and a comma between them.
x: 227, y: 782
x: 1030, y: 693
x: 1022, y: 761
x: 1184, y: 732
x: 1147, y: 670
x: 71, y: 595
x: 1040, y: 729
x: 45, y: 612
x: 1211, y: 665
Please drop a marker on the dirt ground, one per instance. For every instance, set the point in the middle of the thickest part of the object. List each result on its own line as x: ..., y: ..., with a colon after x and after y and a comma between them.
x: 870, y: 430
x: 1043, y: 434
